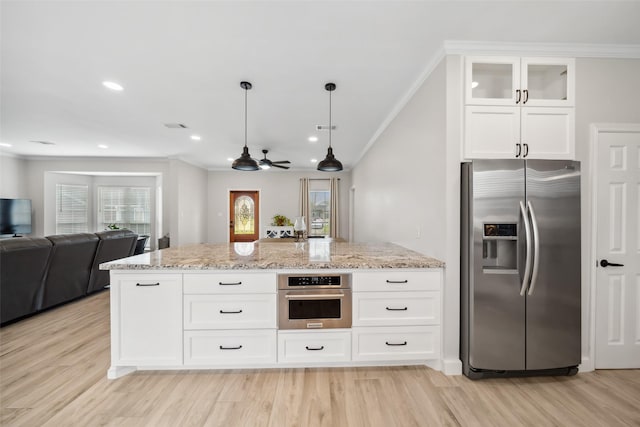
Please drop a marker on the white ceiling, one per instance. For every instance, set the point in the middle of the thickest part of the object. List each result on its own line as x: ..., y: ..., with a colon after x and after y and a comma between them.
x: 182, y: 62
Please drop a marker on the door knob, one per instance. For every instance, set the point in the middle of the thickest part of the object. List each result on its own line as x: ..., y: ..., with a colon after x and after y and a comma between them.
x: 605, y: 263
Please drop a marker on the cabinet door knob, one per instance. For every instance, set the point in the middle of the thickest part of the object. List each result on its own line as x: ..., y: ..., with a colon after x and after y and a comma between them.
x: 518, y: 150
x: 518, y: 96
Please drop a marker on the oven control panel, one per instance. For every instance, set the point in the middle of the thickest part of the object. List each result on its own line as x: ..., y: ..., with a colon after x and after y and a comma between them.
x: 292, y: 281
x: 313, y: 280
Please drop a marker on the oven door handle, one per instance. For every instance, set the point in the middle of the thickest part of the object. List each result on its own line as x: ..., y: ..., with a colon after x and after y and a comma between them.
x: 314, y: 296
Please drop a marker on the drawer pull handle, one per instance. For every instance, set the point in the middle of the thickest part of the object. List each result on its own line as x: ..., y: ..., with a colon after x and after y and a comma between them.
x: 392, y: 344
x: 230, y: 348
x: 397, y: 281
x: 230, y: 312
x: 397, y: 309
x: 314, y: 348
x: 229, y: 284
x: 148, y: 284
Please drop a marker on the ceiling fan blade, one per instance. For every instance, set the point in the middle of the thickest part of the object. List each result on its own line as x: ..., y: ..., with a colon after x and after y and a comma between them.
x: 282, y: 161
x: 278, y: 166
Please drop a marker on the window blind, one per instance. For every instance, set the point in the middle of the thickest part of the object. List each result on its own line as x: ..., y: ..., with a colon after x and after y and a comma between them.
x: 71, y: 208
x: 126, y: 207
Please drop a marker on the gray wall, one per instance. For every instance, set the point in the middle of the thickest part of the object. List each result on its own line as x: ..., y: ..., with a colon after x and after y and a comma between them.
x: 399, y: 183
x: 188, y: 204
x: 13, y: 177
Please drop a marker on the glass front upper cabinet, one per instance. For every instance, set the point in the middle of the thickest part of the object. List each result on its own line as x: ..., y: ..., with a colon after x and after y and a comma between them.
x: 519, y: 81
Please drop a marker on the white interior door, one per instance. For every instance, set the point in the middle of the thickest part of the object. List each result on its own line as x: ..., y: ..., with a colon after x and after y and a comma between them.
x: 618, y: 241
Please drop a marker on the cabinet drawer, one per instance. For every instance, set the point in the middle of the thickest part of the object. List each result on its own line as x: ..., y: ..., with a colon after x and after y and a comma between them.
x: 229, y: 347
x: 314, y: 346
x: 396, y: 308
x: 396, y: 343
x: 397, y: 281
x: 257, y: 311
x: 230, y: 283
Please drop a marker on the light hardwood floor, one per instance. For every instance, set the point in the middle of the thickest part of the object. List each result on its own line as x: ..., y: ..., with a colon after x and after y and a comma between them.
x: 53, y: 373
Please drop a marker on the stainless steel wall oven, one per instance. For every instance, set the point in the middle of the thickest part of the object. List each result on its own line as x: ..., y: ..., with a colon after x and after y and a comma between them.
x: 314, y: 301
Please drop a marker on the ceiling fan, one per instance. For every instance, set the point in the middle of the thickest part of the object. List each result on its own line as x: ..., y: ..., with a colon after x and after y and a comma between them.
x: 266, y: 163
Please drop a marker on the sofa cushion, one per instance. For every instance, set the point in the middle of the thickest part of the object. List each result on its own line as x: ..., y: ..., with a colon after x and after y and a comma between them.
x: 23, y: 266
x: 70, y: 267
x: 114, y: 244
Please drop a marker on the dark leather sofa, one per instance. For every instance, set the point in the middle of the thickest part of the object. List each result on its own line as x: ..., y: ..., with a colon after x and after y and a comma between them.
x: 42, y: 272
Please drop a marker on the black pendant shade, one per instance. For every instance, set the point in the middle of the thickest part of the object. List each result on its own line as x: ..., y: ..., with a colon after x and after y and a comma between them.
x: 330, y: 163
x: 245, y: 162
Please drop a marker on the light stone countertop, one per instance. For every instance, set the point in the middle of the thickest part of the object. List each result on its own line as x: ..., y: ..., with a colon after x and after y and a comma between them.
x: 311, y: 254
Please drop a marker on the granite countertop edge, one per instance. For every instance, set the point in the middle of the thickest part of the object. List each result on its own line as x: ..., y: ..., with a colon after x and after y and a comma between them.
x: 277, y: 256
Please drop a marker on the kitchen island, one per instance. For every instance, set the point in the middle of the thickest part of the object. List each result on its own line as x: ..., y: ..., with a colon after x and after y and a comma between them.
x: 215, y: 306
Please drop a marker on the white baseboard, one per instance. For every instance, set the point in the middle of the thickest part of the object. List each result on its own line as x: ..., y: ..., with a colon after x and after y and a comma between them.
x: 587, y: 365
x: 452, y: 366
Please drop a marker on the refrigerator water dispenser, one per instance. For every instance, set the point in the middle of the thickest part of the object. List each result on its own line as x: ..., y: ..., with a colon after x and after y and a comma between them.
x: 499, y: 248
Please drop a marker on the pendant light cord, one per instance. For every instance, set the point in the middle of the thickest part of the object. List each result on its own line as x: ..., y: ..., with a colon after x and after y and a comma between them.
x: 330, y: 119
x: 245, y: 117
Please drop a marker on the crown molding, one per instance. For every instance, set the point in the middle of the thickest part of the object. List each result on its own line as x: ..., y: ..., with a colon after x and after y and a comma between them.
x: 13, y: 155
x: 575, y: 50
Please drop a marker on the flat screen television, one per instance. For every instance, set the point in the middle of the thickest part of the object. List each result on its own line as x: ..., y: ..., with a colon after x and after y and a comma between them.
x: 15, y: 216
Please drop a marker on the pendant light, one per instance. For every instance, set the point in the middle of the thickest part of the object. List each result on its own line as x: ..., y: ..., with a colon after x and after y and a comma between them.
x: 245, y: 162
x: 330, y: 163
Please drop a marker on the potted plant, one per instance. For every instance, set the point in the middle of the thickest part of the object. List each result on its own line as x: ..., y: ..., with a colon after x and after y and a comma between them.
x: 281, y: 221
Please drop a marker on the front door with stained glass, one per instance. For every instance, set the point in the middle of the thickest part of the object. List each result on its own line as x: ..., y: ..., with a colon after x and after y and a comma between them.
x: 244, y: 216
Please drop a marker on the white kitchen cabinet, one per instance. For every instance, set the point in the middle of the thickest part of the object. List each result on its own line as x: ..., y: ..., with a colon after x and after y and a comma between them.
x: 230, y: 318
x: 396, y: 308
x: 314, y: 346
x: 396, y: 316
x: 519, y: 108
x: 510, y: 81
x: 229, y: 347
x: 222, y: 320
x: 230, y: 283
x: 396, y: 343
x: 146, y: 319
x: 243, y: 311
x: 397, y: 280
x: 512, y: 132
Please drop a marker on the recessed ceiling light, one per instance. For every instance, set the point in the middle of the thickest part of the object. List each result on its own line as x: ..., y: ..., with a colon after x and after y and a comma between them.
x: 4, y: 144
x: 230, y: 159
x: 313, y: 139
x: 314, y: 160
x: 112, y: 85
x: 102, y: 146
x: 196, y: 137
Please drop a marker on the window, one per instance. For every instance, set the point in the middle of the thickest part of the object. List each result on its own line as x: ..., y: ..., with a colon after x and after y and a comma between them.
x: 71, y: 208
x: 319, y: 207
x: 126, y: 207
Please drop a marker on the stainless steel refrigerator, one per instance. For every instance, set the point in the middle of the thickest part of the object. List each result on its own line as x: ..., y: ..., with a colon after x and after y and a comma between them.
x: 520, y: 268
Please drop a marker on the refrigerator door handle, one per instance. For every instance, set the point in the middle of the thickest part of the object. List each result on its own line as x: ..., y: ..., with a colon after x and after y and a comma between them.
x: 527, y: 265
x: 536, y: 248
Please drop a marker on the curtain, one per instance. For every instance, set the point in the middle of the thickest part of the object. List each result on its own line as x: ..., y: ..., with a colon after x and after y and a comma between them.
x: 334, y: 224
x: 304, y: 201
